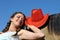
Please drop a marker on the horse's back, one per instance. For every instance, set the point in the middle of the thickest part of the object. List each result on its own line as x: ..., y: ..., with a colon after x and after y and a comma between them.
x: 50, y: 36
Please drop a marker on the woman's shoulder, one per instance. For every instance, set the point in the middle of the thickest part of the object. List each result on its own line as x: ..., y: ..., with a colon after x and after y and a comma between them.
x: 8, y: 34
x: 1, y: 32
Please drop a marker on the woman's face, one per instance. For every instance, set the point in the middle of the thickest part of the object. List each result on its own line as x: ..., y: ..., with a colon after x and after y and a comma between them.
x: 18, y: 20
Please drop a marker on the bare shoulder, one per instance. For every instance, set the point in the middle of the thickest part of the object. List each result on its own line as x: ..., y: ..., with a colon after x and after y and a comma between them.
x: 1, y: 32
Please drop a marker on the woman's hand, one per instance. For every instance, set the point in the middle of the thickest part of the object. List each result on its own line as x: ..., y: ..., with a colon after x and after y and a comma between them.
x: 30, y: 25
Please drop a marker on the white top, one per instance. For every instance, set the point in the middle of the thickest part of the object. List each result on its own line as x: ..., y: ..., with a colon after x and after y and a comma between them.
x: 8, y: 36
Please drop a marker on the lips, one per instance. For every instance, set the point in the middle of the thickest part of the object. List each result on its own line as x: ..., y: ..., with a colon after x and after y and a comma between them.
x: 20, y: 21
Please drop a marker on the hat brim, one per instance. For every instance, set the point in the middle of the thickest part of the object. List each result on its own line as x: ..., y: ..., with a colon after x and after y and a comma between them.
x: 38, y: 24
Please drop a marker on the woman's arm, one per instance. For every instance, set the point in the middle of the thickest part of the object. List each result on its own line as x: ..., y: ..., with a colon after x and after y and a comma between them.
x: 24, y: 34
x: 36, y: 30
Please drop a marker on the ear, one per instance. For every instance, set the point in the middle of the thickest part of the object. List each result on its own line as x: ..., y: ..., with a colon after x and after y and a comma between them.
x: 11, y: 19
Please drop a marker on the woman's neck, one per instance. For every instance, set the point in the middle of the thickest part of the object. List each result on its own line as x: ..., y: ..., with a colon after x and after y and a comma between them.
x: 12, y: 28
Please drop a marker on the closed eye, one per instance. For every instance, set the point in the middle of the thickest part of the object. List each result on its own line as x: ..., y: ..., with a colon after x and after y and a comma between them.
x: 18, y: 16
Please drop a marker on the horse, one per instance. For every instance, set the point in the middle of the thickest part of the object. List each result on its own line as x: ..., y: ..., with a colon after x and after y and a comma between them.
x: 51, y: 28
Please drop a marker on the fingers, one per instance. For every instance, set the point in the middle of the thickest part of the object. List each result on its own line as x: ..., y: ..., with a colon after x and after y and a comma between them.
x: 31, y: 25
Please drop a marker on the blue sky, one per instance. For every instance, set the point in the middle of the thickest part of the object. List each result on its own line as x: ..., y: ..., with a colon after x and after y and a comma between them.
x: 8, y: 7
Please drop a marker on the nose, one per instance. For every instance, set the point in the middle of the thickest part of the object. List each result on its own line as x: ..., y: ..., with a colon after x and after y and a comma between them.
x: 20, y: 19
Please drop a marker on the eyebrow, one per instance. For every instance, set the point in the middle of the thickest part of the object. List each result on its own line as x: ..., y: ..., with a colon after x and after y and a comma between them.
x: 20, y: 16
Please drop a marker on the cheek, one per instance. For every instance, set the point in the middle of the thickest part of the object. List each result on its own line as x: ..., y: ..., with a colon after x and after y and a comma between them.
x: 15, y: 19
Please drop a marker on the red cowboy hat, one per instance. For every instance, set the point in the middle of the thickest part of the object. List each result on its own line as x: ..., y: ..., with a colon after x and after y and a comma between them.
x: 37, y: 18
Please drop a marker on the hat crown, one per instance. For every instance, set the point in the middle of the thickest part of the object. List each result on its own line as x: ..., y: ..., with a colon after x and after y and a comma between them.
x: 37, y: 15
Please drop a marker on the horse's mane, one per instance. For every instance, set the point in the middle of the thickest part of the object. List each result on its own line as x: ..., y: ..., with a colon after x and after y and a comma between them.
x: 54, y: 23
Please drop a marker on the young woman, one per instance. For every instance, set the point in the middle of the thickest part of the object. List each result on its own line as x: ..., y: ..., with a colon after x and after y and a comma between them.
x: 16, y: 23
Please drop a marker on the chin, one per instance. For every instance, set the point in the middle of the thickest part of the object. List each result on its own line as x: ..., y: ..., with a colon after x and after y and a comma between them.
x: 17, y: 24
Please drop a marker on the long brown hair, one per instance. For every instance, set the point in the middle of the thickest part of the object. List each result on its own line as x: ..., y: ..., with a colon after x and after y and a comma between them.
x: 8, y: 23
